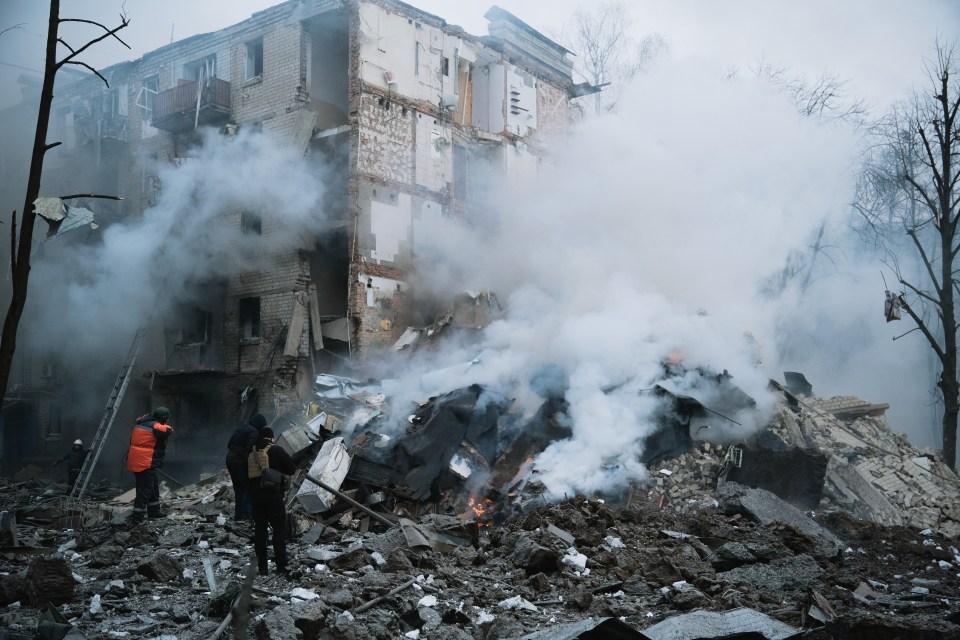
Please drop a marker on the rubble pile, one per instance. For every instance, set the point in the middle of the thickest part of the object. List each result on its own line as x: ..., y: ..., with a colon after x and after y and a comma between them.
x: 576, y: 564
x: 873, y: 472
x: 444, y: 531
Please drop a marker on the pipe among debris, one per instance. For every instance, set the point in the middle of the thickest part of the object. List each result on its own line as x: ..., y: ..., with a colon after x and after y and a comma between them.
x: 356, y: 504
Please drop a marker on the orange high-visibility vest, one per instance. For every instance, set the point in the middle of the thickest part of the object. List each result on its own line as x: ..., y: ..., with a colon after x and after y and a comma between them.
x: 148, y: 444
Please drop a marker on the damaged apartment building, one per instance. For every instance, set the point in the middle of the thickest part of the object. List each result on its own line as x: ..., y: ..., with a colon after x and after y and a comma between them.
x: 407, y: 107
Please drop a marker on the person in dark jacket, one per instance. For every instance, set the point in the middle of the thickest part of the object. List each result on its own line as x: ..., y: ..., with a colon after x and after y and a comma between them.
x: 268, y: 505
x: 238, y: 448
x: 148, y: 447
x: 74, y: 459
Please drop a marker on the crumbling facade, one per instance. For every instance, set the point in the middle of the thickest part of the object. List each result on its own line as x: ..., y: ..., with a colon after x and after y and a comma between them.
x: 408, y: 107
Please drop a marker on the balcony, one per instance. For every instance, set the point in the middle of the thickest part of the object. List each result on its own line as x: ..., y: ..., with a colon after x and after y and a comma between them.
x: 187, y: 105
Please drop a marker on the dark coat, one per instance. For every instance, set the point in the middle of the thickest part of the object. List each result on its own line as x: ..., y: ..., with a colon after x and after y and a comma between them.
x: 279, y: 460
x: 76, y: 456
x: 241, y: 443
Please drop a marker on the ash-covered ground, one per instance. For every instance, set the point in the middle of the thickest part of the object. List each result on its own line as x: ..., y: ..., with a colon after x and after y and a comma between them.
x: 823, y: 575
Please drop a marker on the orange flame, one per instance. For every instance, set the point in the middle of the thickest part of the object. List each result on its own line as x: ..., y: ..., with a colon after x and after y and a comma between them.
x: 477, y: 508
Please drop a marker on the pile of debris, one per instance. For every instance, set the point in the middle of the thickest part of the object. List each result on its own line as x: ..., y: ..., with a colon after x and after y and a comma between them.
x: 843, y: 456
x: 446, y: 532
x: 577, y: 568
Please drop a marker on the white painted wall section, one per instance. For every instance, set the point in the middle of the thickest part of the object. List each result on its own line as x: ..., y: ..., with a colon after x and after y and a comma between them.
x: 378, y: 287
x: 404, y: 55
x: 390, y: 226
x: 427, y: 227
x: 521, y: 101
x: 434, y: 155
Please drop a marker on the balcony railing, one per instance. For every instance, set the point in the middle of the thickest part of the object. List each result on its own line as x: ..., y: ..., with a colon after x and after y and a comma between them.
x: 177, y: 110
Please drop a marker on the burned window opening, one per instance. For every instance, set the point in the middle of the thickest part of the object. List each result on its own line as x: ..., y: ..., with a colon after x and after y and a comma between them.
x: 254, y: 60
x: 251, y: 223
x: 195, y: 327
x: 249, y: 318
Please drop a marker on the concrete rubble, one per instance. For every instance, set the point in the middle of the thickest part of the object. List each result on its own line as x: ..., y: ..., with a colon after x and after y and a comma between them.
x: 409, y: 542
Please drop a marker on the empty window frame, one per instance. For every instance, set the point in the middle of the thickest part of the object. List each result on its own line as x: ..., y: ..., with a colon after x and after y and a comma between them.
x: 147, y: 98
x: 54, y: 421
x: 249, y: 318
x: 254, y: 67
x: 251, y: 223
x: 195, y: 326
x: 201, y: 70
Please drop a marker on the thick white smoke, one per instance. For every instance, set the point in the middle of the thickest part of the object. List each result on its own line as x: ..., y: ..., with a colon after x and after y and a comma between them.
x: 649, y: 233
x: 141, y: 267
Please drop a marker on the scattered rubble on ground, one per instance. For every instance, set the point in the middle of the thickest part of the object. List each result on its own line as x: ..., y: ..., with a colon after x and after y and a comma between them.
x: 399, y: 538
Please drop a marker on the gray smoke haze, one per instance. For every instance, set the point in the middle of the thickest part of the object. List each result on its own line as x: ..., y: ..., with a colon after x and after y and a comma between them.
x: 141, y: 267
x: 649, y: 233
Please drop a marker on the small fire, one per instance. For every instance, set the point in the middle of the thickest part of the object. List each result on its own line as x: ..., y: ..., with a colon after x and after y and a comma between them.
x: 477, y: 509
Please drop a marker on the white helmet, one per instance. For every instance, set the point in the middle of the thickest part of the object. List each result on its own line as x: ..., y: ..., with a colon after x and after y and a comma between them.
x: 78, y: 441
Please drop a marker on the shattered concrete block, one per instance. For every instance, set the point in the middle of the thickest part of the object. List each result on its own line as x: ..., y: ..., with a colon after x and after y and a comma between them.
x: 734, y: 623
x: 278, y: 624
x: 330, y: 466
x: 797, y: 573
x: 870, y: 500
x: 12, y: 589
x: 161, y: 567
x: 534, y: 558
x: 766, y: 508
x: 50, y: 580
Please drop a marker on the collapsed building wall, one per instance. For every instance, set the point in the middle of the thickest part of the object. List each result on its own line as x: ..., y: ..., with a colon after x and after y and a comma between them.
x: 405, y: 111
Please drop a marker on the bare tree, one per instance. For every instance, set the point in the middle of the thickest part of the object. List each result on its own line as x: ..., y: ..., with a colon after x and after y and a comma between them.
x: 825, y: 96
x: 825, y: 99
x: 609, y: 55
x: 20, y: 246
x: 908, y: 199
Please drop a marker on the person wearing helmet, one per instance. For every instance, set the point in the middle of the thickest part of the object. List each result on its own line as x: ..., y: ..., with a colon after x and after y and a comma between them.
x: 148, y: 447
x: 74, y: 459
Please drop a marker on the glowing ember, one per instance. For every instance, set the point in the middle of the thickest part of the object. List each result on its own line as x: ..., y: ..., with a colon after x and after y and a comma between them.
x: 477, y: 509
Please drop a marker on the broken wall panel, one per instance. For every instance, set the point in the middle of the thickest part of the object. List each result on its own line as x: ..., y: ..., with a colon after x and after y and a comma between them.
x: 764, y: 469
x: 330, y: 467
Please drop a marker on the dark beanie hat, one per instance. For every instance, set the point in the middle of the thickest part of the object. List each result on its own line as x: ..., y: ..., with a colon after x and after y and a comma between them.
x: 266, y: 432
x: 258, y: 421
x: 161, y: 413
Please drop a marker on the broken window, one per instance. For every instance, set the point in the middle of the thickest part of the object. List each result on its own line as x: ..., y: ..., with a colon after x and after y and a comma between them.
x: 201, y: 70
x: 254, y: 59
x: 251, y: 223
x: 195, y: 326
x: 54, y: 422
x: 249, y: 318
x: 147, y: 98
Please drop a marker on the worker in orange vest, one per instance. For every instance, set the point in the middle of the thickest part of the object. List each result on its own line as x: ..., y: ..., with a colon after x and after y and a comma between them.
x: 148, y: 446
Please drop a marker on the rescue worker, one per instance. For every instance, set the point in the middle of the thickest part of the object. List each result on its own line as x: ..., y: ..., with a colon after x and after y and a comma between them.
x: 75, y: 457
x: 238, y: 448
x: 268, y: 505
x: 148, y: 447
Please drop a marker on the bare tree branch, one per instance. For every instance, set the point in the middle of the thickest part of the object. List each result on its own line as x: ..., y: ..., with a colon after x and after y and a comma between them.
x: 124, y: 21
x: 85, y: 65
x: 19, y: 25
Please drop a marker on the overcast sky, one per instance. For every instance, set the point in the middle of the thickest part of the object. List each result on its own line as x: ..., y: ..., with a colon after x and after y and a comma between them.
x: 877, y: 44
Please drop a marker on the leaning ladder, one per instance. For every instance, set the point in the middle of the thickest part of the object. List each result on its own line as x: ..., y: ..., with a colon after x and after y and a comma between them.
x: 116, y: 397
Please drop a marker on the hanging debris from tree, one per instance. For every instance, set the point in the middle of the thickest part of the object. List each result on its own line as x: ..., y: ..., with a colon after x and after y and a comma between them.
x: 891, y: 307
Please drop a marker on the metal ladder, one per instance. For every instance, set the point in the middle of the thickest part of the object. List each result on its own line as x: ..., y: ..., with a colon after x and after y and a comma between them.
x: 116, y: 397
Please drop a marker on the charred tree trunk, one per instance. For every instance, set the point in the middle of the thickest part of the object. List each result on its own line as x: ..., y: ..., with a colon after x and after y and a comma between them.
x: 947, y: 138
x: 21, y: 248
